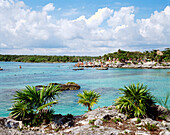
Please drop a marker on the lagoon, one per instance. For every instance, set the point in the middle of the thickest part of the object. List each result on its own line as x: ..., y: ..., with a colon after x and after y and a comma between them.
x: 105, y: 82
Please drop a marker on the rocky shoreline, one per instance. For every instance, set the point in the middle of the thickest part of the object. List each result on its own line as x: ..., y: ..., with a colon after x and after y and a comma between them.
x: 146, y: 65
x: 106, y: 120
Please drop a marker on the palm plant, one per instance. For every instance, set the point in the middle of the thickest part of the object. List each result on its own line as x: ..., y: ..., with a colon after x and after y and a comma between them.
x: 136, y: 100
x: 88, y: 98
x: 164, y: 102
x: 30, y: 102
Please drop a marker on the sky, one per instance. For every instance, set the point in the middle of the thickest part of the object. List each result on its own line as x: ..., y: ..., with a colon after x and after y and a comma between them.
x: 83, y: 27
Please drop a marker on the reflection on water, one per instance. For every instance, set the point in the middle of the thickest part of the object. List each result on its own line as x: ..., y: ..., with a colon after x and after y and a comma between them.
x: 105, y: 82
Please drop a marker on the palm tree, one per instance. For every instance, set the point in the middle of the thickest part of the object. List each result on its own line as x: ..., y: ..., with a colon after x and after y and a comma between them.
x: 30, y: 102
x: 88, y: 98
x: 136, y: 100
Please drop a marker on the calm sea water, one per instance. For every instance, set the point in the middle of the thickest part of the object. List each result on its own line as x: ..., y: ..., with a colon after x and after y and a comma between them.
x: 106, y: 82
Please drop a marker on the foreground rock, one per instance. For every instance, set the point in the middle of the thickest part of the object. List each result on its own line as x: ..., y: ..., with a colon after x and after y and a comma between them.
x: 67, y: 86
x: 109, y: 121
x: 106, y: 121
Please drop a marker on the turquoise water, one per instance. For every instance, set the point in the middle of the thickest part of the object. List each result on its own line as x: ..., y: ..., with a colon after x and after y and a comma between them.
x: 105, y: 82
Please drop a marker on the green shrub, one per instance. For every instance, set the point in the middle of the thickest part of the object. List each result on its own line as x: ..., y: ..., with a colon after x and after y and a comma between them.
x: 92, y: 121
x: 138, y: 120
x: 151, y: 127
x: 115, y: 120
x: 163, y: 117
x: 94, y: 126
x: 57, y: 129
x: 109, y: 108
x: 136, y: 101
x: 104, y: 120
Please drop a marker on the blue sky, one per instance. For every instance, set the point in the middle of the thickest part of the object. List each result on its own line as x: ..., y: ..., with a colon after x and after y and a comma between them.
x: 83, y: 27
x: 144, y: 8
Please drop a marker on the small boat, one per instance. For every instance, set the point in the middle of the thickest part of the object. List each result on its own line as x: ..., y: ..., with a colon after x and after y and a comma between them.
x: 1, y: 68
x: 102, y: 68
x: 78, y: 69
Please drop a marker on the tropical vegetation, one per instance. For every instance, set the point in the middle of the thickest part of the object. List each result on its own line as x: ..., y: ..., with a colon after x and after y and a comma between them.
x: 33, y: 106
x: 121, y: 55
x: 88, y: 98
x: 136, y: 100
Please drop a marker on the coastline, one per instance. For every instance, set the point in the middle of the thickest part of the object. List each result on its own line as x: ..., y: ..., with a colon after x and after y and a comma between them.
x: 119, y: 65
x: 133, y: 67
x: 147, y: 65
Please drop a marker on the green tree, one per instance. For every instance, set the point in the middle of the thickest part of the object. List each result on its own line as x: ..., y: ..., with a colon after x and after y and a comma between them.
x: 88, y: 98
x: 136, y: 100
x: 34, y: 104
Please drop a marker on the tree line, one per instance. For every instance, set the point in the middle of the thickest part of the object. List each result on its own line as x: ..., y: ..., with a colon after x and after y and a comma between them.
x: 40, y: 58
x: 121, y: 55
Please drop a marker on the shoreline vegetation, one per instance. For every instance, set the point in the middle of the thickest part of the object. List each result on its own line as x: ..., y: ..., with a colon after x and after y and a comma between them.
x: 135, y: 112
x: 120, y: 55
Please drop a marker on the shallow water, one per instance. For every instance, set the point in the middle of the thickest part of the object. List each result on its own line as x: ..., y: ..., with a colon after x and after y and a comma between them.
x: 105, y: 82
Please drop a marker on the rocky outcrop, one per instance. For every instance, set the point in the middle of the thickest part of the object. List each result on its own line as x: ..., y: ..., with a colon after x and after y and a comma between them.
x: 10, y: 123
x: 70, y: 86
x: 67, y: 86
x: 109, y: 121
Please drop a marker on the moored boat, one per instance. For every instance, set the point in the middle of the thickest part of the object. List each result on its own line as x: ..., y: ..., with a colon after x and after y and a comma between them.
x: 78, y: 69
x: 102, y: 68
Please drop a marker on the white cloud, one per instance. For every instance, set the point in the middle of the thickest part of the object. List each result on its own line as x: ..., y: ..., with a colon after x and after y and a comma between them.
x: 3, y: 45
x: 59, y: 9
x: 25, y: 31
x: 99, y: 17
x: 48, y: 7
x: 71, y: 12
x: 124, y: 16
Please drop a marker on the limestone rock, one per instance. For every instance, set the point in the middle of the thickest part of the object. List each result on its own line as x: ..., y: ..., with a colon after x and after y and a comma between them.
x: 67, y: 86
x: 98, y: 122
x: 70, y: 86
